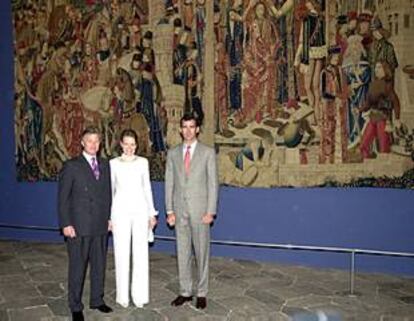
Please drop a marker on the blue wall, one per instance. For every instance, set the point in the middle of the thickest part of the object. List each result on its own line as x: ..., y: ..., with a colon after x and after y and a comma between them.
x: 357, y: 218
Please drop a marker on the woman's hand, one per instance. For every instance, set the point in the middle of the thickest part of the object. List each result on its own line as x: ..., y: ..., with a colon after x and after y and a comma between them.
x: 152, y: 222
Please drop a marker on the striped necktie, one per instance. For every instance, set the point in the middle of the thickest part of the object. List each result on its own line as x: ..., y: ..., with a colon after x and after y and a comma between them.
x: 187, y: 159
x: 95, y: 167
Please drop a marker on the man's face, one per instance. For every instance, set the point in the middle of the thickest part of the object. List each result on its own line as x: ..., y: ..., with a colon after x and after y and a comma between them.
x: 352, y: 24
x: 364, y: 27
x: 377, y: 35
x: 260, y: 10
x: 189, y: 130
x: 309, y: 5
x: 90, y: 143
x: 146, y: 43
x: 335, y: 59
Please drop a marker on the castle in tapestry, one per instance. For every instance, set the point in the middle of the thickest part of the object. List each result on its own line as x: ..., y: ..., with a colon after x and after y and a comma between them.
x: 291, y: 92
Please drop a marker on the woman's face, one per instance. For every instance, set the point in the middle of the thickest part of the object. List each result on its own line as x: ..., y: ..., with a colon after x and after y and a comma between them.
x: 217, y: 17
x: 135, y: 64
x: 88, y: 49
x: 237, y: 3
x: 379, y: 71
x: 135, y: 28
x: 128, y: 145
x: 364, y: 27
x: 335, y: 59
x: 309, y: 5
x: 145, y: 58
x: 260, y: 10
x: 343, y: 30
x: 352, y: 24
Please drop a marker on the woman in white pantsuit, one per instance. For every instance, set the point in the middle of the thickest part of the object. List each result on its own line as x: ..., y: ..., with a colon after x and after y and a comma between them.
x: 133, y: 217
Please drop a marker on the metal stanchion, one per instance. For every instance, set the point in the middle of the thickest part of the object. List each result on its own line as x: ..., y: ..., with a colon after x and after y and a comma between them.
x: 331, y: 249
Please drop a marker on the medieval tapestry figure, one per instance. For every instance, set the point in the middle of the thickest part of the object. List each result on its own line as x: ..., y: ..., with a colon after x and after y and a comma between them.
x: 290, y: 92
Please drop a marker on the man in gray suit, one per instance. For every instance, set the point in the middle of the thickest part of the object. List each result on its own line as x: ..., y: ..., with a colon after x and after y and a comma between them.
x: 191, y: 191
x: 84, y: 203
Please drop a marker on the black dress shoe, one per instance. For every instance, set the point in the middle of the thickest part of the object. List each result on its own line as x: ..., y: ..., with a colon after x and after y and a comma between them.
x: 77, y: 316
x: 201, y: 303
x: 103, y: 308
x: 180, y: 300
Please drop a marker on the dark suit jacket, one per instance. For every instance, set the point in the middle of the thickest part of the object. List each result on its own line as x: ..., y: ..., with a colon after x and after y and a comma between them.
x: 83, y: 201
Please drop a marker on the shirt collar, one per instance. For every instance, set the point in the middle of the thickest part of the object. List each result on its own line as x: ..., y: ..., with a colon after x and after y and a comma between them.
x: 193, y: 145
x: 89, y: 157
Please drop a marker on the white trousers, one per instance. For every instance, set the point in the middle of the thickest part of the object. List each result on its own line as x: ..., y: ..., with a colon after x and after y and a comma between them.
x: 125, y: 229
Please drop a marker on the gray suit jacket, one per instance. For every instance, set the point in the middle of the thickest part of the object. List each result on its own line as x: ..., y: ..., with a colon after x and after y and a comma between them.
x: 197, y: 193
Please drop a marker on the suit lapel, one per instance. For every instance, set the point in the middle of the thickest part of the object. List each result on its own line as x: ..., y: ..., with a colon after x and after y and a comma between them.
x: 101, y: 169
x: 194, y: 159
x: 88, y: 170
x: 180, y: 160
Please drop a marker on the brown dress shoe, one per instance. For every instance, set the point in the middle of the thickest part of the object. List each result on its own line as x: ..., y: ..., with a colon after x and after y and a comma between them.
x: 201, y: 303
x: 180, y: 300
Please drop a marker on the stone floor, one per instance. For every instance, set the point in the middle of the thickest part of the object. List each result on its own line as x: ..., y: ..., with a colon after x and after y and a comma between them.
x: 33, y: 288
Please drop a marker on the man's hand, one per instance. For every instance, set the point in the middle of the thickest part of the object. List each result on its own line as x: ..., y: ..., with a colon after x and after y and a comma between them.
x: 69, y: 231
x: 109, y: 226
x: 207, y: 218
x: 171, y: 219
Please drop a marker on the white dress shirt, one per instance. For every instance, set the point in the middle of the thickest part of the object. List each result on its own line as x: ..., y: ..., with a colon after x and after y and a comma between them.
x: 192, y: 149
x: 89, y: 158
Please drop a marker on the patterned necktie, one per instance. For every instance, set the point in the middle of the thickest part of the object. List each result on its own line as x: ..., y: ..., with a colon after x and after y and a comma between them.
x: 95, y: 167
x: 187, y: 159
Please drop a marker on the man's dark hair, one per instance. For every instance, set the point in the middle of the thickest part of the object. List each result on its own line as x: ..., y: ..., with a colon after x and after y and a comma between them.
x: 177, y: 22
x: 190, y: 116
x: 91, y: 130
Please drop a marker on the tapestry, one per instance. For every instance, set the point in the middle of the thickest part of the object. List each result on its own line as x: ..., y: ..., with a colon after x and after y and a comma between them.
x: 291, y: 93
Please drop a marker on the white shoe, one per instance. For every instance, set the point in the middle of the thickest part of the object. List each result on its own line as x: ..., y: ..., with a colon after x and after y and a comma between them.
x: 139, y: 305
x: 124, y: 305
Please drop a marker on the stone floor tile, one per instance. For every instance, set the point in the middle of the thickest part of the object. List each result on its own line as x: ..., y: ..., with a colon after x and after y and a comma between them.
x: 51, y: 289
x: 33, y: 286
x: 184, y: 313
x: 37, y: 313
x: 3, y: 315
x: 246, y: 305
x: 272, y: 301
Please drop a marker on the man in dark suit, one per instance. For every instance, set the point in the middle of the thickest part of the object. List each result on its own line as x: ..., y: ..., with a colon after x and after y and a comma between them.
x: 84, y: 203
